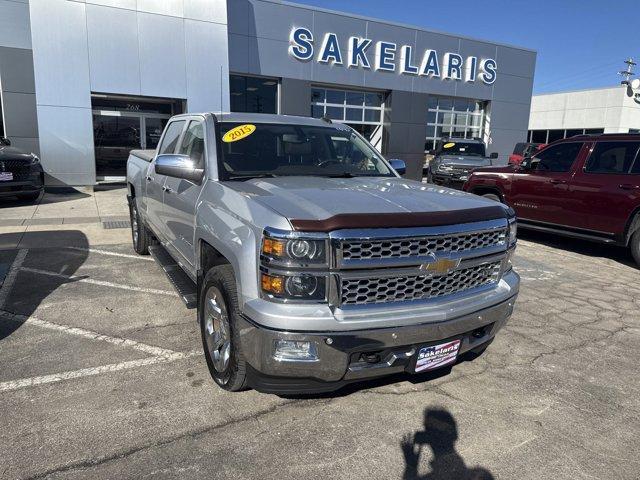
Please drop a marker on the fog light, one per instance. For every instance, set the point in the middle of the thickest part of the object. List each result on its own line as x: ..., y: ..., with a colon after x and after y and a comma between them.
x: 295, y: 351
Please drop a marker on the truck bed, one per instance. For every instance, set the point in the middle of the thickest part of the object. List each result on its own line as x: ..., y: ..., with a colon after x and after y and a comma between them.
x: 146, y: 155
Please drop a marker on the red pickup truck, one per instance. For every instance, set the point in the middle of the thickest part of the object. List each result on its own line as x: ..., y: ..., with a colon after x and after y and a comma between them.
x: 523, y: 150
x: 586, y: 186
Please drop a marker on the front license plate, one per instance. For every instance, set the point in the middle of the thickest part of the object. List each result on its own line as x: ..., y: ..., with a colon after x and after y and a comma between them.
x: 464, y: 177
x: 436, y: 356
x: 6, y: 176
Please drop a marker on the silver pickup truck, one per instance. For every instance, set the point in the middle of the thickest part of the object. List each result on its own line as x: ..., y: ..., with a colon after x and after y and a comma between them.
x: 310, y: 261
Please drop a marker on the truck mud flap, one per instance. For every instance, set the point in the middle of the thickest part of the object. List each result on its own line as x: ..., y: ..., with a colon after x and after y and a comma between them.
x: 185, y: 287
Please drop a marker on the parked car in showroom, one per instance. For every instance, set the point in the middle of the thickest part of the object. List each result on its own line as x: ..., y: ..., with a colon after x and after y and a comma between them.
x: 310, y: 262
x: 524, y: 150
x: 586, y: 187
x: 21, y: 173
x: 454, y: 160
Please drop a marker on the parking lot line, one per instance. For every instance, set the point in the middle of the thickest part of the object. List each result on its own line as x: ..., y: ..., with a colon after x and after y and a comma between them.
x: 10, y: 279
x: 81, y: 332
x: 87, y: 372
x: 99, y: 282
x: 114, y: 254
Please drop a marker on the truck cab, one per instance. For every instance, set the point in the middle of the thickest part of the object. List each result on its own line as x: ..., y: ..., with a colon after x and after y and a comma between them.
x: 310, y: 261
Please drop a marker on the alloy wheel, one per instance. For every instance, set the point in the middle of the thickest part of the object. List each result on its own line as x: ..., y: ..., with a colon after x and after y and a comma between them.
x: 217, y: 329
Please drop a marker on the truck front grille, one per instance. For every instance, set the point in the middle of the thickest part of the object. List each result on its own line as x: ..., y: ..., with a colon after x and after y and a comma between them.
x: 421, y: 247
x: 417, y: 287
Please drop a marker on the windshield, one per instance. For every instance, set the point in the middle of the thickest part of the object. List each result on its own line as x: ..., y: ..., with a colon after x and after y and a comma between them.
x: 461, y: 148
x: 273, y: 150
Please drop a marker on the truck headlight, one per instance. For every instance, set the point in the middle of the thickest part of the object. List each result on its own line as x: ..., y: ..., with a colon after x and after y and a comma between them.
x: 513, y: 232
x: 294, y: 286
x: 290, y: 251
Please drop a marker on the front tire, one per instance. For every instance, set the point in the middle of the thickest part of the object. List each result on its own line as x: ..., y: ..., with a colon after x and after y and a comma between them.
x: 493, y: 196
x: 634, y: 244
x: 139, y: 233
x: 219, y: 314
x: 429, y: 177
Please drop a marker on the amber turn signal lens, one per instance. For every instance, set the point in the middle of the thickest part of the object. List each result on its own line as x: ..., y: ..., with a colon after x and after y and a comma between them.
x: 273, y: 247
x: 272, y: 284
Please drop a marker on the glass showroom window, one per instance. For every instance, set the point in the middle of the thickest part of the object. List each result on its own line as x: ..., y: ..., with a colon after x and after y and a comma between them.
x: 453, y: 117
x: 363, y: 111
x: 253, y: 94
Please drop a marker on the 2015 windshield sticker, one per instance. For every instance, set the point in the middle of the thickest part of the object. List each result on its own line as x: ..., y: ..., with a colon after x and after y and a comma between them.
x: 430, y: 358
x: 238, y: 133
x: 449, y: 145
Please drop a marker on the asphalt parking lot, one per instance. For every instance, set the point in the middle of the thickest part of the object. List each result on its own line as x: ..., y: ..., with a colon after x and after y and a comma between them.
x: 101, y: 376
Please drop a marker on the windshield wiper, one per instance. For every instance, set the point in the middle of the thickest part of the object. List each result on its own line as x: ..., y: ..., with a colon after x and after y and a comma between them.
x: 340, y: 175
x: 250, y: 176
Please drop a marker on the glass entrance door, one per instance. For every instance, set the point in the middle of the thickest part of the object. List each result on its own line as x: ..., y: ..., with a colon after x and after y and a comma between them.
x: 122, y: 124
x: 115, y: 134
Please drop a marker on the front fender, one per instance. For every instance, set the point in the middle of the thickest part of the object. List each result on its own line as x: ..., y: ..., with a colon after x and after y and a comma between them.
x: 233, y: 224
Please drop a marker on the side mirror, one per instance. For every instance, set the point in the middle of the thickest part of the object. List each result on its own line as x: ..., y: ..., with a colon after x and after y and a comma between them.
x: 399, y: 166
x: 178, y: 166
x: 6, y: 141
x: 526, y: 163
x: 493, y: 156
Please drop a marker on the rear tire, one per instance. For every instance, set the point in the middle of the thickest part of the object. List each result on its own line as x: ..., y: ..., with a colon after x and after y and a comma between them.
x: 30, y: 197
x: 493, y: 196
x: 140, y: 234
x: 219, y: 315
x: 634, y: 244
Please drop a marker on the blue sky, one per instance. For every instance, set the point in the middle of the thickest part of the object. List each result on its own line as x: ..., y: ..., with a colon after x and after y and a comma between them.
x: 580, y: 43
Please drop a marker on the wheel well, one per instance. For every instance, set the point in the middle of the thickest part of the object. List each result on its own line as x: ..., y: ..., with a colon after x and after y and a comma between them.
x: 210, y: 257
x: 633, y: 224
x: 484, y: 190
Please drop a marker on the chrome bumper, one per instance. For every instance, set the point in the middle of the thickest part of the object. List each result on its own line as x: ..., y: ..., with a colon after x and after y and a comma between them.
x: 339, y: 359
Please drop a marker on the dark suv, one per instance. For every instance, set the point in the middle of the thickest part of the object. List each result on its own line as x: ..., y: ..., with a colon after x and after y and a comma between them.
x: 455, y: 159
x: 21, y: 174
x: 587, y: 186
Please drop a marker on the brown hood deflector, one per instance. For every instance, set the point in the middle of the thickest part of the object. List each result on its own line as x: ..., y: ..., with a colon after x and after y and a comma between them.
x: 401, y: 220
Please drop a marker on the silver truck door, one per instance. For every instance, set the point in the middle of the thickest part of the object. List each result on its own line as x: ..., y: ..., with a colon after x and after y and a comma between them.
x: 155, y: 183
x: 181, y: 195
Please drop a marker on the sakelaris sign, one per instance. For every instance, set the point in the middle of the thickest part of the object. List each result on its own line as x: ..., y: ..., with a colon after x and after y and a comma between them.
x: 389, y: 57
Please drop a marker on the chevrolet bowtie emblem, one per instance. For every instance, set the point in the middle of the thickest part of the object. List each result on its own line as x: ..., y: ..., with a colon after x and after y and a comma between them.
x: 441, y: 266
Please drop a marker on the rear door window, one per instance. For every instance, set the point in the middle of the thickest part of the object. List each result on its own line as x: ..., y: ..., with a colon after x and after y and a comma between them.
x: 558, y: 158
x: 612, y: 157
x: 171, y: 137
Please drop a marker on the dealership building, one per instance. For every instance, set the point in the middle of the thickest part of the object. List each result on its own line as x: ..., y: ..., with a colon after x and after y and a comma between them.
x: 602, y: 110
x: 82, y: 82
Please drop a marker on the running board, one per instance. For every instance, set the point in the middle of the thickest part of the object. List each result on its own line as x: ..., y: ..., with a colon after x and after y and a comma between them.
x: 185, y: 287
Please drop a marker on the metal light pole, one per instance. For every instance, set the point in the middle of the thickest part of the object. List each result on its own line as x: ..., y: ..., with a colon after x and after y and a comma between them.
x: 633, y: 86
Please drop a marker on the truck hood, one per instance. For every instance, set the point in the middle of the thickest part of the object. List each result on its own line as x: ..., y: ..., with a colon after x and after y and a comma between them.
x: 464, y: 161
x: 319, y: 198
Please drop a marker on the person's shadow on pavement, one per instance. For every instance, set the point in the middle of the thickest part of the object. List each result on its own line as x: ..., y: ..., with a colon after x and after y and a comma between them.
x: 440, y: 433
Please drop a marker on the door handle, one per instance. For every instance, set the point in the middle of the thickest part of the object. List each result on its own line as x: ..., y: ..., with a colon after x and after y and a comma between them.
x: 167, y: 189
x: 628, y: 186
x: 148, y: 178
x: 558, y: 182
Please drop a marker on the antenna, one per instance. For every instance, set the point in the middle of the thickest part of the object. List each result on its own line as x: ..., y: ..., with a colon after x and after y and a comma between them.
x: 221, y: 92
x: 628, y: 73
